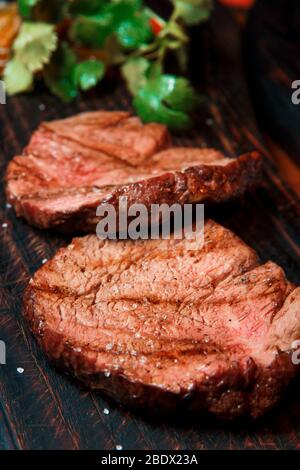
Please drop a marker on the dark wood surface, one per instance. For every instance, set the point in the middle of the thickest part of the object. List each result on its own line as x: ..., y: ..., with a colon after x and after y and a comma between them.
x: 45, y: 409
x: 272, y: 45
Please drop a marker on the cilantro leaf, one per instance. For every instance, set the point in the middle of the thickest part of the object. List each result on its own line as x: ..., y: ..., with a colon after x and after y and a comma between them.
x: 155, y: 70
x: 64, y: 75
x: 88, y: 73
x: 62, y: 88
x: 131, y: 23
x: 84, y: 7
x: 25, y: 7
x: 17, y: 77
x: 123, y: 9
x: 124, y: 18
x: 59, y: 73
x: 92, y: 30
x: 34, y: 45
x: 167, y: 99
x: 128, y: 34
x: 193, y: 12
x: 134, y: 32
x: 134, y: 71
x: 182, y: 96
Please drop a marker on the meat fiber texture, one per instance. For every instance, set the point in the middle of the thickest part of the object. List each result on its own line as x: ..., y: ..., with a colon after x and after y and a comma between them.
x: 169, y: 325
x: 72, y: 166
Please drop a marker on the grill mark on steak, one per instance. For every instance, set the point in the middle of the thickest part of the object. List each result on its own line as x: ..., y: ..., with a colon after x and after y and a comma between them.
x: 171, y: 347
x: 226, y: 348
x: 127, y: 139
x: 218, y: 243
x: 72, y: 166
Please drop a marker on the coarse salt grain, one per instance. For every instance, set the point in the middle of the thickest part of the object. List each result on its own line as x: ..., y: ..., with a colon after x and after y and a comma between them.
x: 20, y: 370
x: 106, y: 411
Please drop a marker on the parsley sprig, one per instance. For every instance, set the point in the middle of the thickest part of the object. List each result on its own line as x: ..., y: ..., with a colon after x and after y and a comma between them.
x: 122, y: 32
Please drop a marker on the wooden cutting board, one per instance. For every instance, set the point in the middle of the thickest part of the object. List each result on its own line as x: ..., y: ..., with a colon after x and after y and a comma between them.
x: 272, y: 45
x: 42, y: 408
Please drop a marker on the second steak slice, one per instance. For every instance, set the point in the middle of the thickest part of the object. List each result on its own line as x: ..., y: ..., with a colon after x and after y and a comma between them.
x: 163, y: 324
x: 72, y: 166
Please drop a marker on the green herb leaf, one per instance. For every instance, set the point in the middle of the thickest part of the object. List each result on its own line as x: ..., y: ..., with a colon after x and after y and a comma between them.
x: 25, y: 7
x: 88, y: 73
x: 92, y: 30
x: 134, y: 32
x: 85, y: 7
x: 128, y: 34
x: 123, y: 18
x: 167, y: 99
x: 62, y: 88
x: 59, y: 73
x: 34, y: 45
x: 193, y: 12
x: 135, y: 73
x: 155, y: 70
x: 182, y: 96
x: 122, y: 10
x: 17, y: 77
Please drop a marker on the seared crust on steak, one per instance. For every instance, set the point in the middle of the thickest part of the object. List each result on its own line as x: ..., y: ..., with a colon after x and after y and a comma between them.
x: 169, y: 324
x: 72, y: 166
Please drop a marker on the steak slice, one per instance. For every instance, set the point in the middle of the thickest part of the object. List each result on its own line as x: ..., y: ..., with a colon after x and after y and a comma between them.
x: 163, y: 324
x: 72, y: 166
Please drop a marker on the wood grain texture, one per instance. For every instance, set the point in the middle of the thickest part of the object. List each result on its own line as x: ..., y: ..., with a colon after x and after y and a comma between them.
x: 44, y: 409
x: 272, y: 44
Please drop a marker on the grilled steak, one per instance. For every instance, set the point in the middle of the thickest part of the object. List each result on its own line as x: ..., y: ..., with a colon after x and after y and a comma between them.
x: 72, y: 166
x: 165, y: 324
